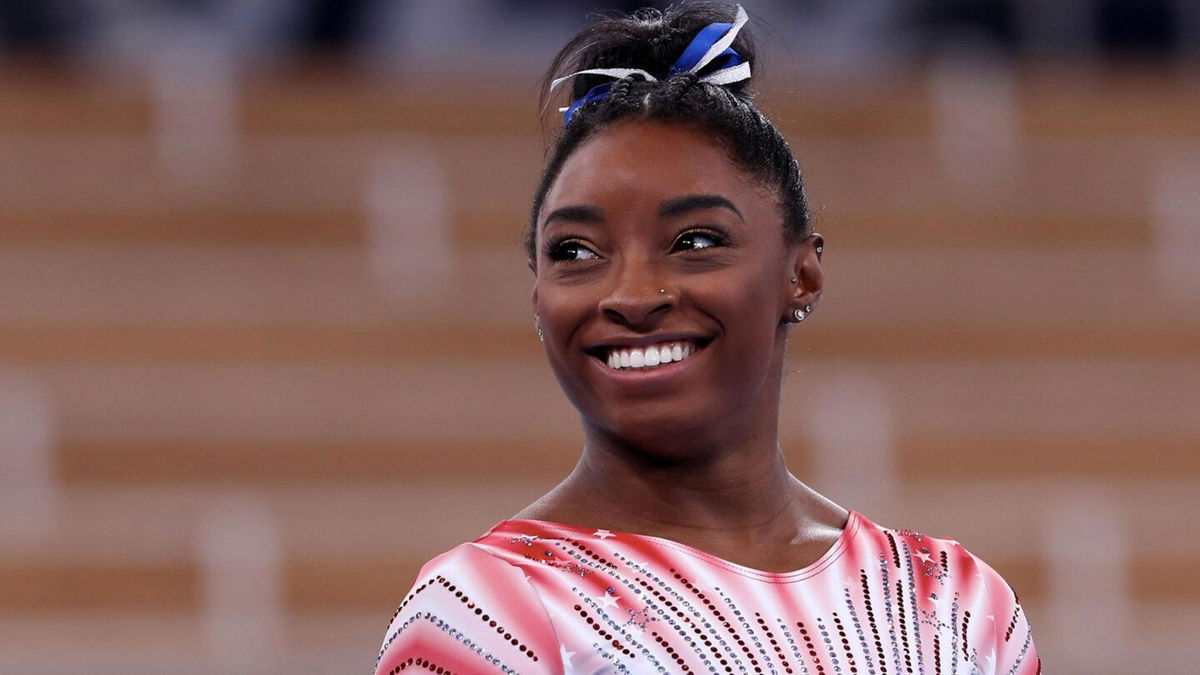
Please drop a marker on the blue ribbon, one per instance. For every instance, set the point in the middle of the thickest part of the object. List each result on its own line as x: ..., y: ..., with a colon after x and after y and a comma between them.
x: 699, y: 46
x: 596, y: 93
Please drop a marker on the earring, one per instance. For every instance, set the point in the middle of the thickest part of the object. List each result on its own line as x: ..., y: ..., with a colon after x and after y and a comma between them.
x: 795, y: 279
x: 662, y: 290
x: 799, y: 315
x: 538, y: 326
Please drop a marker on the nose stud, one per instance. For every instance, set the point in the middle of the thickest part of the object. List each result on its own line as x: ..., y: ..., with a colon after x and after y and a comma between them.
x: 662, y: 290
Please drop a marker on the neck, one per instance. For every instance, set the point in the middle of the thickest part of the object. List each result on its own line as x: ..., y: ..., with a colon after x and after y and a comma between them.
x: 729, y: 482
x: 746, y: 488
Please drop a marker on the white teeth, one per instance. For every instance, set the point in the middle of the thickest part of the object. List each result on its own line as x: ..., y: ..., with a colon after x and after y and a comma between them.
x: 652, y: 356
x: 649, y: 356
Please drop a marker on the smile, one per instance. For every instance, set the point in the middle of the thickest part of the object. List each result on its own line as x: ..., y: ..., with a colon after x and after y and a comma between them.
x: 650, y: 356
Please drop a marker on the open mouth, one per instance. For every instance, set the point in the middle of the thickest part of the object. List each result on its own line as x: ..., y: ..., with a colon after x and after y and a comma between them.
x: 645, y: 357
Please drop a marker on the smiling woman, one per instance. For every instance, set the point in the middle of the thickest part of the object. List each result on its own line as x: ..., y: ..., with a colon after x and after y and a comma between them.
x: 672, y: 254
x: 689, y: 254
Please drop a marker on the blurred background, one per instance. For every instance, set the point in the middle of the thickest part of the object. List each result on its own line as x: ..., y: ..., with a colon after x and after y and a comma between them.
x: 265, y: 341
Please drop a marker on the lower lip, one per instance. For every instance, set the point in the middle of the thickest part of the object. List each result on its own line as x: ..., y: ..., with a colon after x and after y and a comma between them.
x: 661, y: 374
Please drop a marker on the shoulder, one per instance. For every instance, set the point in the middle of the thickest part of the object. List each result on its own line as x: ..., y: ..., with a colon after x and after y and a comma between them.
x: 969, y: 591
x: 470, y: 609
x: 929, y: 555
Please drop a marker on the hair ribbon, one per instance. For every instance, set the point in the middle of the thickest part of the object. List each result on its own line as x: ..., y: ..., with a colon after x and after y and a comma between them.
x: 712, y: 42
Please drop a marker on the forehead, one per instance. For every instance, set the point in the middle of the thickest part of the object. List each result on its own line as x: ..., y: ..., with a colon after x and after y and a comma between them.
x: 639, y: 164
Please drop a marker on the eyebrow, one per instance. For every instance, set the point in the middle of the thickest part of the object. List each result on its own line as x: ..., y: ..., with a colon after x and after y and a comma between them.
x: 675, y: 206
x: 578, y: 214
x: 680, y: 205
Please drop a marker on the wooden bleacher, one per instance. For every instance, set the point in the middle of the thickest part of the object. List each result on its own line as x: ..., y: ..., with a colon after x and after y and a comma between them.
x: 232, y: 345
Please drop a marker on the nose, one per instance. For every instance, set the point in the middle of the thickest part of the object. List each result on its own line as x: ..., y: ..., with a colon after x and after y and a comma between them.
x: 638, y: 297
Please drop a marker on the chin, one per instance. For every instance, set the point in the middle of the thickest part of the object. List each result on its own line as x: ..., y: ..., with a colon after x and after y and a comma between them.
x: 662, y: 433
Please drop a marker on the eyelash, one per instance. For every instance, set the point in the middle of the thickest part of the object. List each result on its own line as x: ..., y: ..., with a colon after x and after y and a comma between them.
x: 556, y: 250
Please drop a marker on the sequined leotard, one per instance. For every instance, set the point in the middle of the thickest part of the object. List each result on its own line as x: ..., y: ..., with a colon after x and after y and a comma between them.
x: 537, y: 597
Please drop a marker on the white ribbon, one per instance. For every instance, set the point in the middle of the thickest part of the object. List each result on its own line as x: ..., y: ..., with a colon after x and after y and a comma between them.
x: 721, y: 45
x: 615, y: 73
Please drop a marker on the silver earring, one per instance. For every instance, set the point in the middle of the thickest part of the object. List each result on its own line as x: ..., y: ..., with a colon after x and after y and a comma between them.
x: 799, y: 315
x: 819, y: 249
x: 538, y: 326
x: 795, y: 279
x: 662, y: 290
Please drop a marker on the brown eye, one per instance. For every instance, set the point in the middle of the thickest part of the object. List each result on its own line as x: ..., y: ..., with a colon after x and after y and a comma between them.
x: 570, y: 250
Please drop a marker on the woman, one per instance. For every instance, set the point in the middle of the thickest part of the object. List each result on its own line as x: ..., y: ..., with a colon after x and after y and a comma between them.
x: 672, y: 254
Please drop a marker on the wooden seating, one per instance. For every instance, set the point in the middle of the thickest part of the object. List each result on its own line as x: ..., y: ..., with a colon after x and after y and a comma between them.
x: 200, y: 343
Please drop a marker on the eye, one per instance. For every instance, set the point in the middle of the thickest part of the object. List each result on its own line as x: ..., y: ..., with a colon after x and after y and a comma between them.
x: 570, y: 249
x: 698, y: 239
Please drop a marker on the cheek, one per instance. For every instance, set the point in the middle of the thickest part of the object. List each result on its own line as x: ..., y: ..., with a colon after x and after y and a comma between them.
x: 750, y: 317
x: 748, y: 295
x: 561, y: 312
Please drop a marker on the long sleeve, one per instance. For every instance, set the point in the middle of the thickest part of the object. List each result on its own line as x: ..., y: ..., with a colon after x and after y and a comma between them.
x: 470, y: 612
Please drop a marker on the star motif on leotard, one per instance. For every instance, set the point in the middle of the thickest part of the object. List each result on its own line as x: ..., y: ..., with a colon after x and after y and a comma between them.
x: 924, y: 555
x: 639, y: 618
x: 566, y: 658
x: 603, y: 534
x: 608, y: 601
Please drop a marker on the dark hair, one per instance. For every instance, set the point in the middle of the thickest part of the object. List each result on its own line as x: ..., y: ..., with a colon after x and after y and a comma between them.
x: 652, y: 40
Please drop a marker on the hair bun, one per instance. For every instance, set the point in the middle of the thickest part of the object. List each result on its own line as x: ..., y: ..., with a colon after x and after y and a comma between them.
x: 648, y: 39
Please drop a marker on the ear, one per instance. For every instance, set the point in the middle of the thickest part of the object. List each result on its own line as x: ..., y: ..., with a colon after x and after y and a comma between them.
x: 806, y: 268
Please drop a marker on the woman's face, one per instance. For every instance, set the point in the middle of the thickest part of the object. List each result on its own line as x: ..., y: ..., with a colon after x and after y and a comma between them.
x: 653, y: 247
